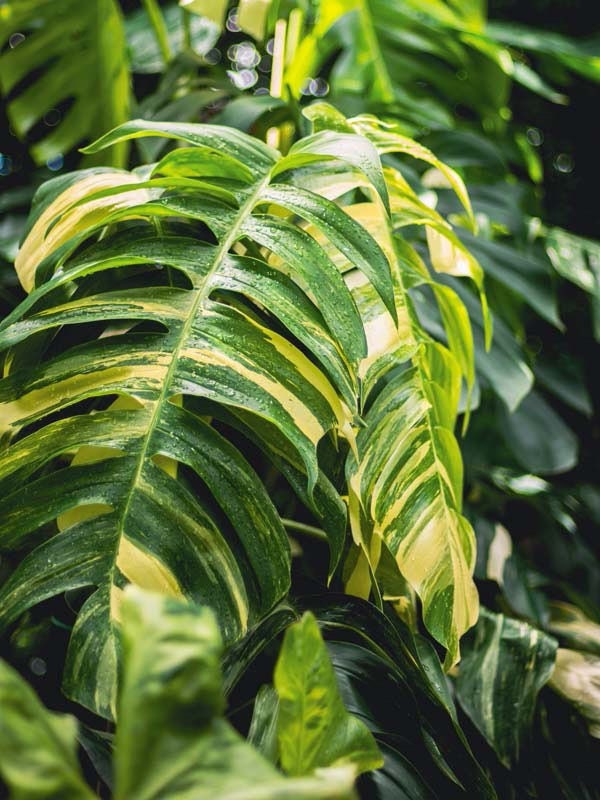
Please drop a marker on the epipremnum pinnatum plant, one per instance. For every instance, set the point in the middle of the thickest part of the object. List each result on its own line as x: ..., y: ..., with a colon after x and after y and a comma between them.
x: 252, y: 323
x: 229, y: 451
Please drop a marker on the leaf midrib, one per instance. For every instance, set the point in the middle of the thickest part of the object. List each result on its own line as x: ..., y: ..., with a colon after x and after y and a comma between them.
x: 202, y: 295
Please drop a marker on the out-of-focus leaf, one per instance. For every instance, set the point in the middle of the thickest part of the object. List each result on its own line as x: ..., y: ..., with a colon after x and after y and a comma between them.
x: 466, y: 149
x: 253, y: 16
x: 573, y: 54
x: 143, y: 47
x: 98, y: 747
x: 527, y: 77
x: 11, y: 230
x: 250, y: 112
x: 505, y: 664
x: 214, y: 10
x: 578, y: 260
x: 38, y: 748
x: 502, y: 367
x: 314, y: 728
x: 576, y: 677
x: 66, y: 55
x: 498, y: 561
x: 528, y: 275
x: 171, y: 741
x: 572, y: 626
x: 575, y: 258
x: 538, y: 438
x: 562, y: 377
x: 263, y: 728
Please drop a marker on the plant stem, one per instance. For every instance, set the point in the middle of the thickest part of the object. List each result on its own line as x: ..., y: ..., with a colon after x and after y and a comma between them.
x: 159, y: 27
x: 307, y: 530
x: 187, y: 29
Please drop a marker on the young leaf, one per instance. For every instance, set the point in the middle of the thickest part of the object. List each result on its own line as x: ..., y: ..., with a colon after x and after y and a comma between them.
x: 314, y: 728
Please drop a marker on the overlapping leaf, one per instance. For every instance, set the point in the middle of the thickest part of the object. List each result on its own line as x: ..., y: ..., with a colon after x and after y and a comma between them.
x: 406, y: 484
x: 172, y: 741
x: 506, y: 662
x: 314, y: 728
x: 156, y: 495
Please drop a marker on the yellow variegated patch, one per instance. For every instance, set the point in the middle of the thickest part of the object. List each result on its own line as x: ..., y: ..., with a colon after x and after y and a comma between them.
x: 44, y: 237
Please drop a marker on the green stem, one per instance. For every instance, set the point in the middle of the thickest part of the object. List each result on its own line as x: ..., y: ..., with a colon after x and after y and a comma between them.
x: 307, y: 530
x: 382, y: 82
x: 159, y: 27
x: 187, y: 29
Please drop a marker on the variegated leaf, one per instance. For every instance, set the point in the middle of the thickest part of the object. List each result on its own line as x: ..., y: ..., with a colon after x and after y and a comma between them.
x: 505, y: 664
x: 405, y: 488
x: 239, y: 322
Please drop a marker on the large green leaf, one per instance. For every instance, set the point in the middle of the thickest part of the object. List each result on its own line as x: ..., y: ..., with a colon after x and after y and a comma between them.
x: 314, y: 728
x: 538, y: 437
x: 74, y: 58
x: 155, y: 494
x: 505, y: 664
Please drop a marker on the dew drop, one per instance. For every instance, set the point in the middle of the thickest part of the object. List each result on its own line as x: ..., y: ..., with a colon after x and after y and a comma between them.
x: 564, y: 163
x: 55, y: 163
x: 15, y: 40
x: 38, y: 666
x: 535, y: 136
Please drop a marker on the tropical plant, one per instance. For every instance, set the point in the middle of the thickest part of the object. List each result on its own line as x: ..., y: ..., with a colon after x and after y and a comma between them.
x: 232, y: 374
x: 171, y: 741
x: 264, y: 333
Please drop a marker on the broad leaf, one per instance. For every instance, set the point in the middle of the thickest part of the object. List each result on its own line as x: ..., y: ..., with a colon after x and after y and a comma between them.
x: 314, y: 728
x: 540, y: 440
x: 406, y: 484
x: 221, y: 350
x: 164, y: 499
x: 505, y: 664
